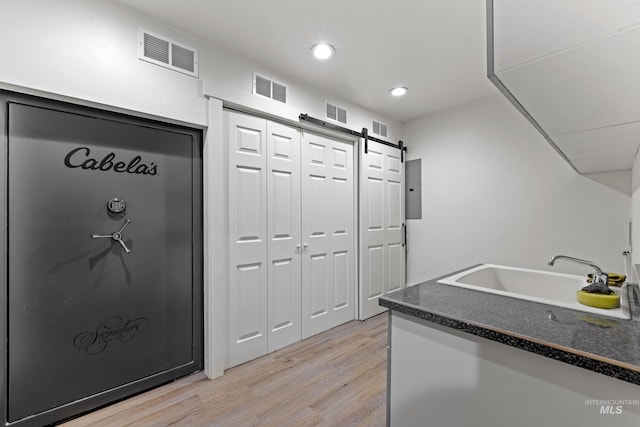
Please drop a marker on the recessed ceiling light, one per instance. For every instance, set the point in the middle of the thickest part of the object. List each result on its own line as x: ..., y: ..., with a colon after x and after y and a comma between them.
x: 323, y: 51
x: 398, y: 91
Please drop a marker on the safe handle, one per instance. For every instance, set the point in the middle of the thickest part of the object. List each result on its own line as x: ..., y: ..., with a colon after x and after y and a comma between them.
x: 117, y: 236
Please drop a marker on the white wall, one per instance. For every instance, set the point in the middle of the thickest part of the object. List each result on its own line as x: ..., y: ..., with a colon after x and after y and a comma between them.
x: 494, y: 191
x: 87, y: 50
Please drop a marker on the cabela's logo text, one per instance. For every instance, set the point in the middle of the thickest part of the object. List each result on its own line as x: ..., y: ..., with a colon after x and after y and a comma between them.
x: 81, y: 158
x: 114, y: 329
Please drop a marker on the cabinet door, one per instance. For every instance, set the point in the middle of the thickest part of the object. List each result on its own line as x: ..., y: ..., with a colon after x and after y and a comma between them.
x: 283, y: 230
x: 248, y: 329
x: 382, y: 265
x: 328, y: 234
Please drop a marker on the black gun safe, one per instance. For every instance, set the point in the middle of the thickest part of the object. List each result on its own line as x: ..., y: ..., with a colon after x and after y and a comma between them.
x: 102, y: 257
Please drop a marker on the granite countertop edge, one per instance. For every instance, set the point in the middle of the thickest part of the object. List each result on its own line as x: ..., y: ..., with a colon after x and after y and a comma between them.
x: 559, y: 352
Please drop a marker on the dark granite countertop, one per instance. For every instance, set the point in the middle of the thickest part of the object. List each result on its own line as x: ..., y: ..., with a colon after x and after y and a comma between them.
x: 601, y: 344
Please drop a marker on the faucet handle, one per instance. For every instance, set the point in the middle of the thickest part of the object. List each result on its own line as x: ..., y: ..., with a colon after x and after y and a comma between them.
x: 600, y: 285
x: 597, y: 288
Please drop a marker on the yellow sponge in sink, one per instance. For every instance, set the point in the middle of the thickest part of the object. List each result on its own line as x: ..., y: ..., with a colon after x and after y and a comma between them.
x: 598, y: 300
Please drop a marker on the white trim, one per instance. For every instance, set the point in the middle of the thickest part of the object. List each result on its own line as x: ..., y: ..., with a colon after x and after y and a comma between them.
x: 215, y: 194
x: 356, y: 212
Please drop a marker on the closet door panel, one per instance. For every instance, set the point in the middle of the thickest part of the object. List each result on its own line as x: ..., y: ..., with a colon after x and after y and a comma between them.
x: 248, y: 328
x: 248, y: 306
x: 319, y: 287
x: 317, y: 292
x: 343, y: 233
x: 282, y: 309
x: 341, y: 280
x: 249, y: 222
x: 375, y: 271
x: 395, y: 220
x: 328, y: 269
x: 283, y: 216
x: 382, y: 253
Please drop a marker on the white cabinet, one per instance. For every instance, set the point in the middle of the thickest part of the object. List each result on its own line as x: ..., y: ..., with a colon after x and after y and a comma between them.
x: 444, y: 377
x: 291, y: 235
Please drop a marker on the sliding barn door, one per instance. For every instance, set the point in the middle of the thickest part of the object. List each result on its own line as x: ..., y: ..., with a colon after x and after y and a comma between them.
x: 328, y: 234
x: 382, y: 253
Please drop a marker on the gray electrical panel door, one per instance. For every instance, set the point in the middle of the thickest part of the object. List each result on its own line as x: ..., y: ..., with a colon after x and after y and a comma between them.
x: 103, y: 268
x: 413, y: 189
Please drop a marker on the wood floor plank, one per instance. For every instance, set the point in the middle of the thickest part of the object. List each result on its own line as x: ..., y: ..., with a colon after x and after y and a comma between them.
x: 336, y: 378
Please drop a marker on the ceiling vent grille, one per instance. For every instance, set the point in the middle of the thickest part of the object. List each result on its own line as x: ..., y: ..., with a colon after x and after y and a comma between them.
x: 167, y: 53
x: 379, y: 128
x: 333, y: 112
x: 267, y: 87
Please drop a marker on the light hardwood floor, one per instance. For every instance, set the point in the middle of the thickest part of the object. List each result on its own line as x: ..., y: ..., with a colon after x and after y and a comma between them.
x: 336, y: 378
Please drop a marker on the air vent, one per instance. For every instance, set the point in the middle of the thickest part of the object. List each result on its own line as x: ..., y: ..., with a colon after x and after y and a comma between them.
x: 183, y: 58
x: 279, y: 92
x: 379, y: 128
x: 267, y: 87
x: 262, y: 86
x: 167, y: 53
x: 336, y: 113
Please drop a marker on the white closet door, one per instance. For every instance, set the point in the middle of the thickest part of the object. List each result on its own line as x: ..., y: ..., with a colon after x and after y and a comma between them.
x: 248, y: 328
x: 328, y: 234
x: 283, y: 217
x: 382, y: 255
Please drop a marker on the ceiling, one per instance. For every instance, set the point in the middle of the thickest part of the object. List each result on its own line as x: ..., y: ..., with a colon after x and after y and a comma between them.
x: 577, y: 78
x: 436, y: 48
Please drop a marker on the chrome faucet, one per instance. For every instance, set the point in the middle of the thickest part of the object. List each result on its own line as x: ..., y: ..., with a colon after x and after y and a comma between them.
x: 600, y: 279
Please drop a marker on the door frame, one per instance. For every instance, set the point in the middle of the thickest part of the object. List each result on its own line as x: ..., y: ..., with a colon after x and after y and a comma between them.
x: 134, y: 387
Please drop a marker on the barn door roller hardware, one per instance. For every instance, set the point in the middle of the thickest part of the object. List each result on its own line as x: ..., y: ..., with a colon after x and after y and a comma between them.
x: 364, y: 134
